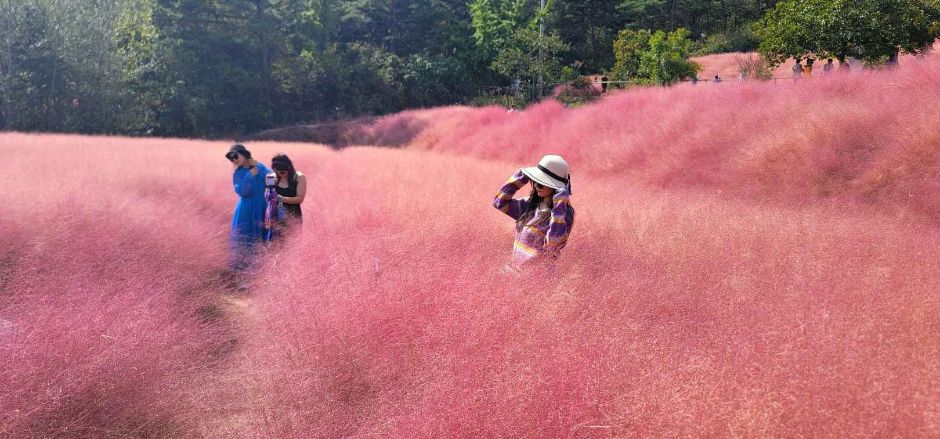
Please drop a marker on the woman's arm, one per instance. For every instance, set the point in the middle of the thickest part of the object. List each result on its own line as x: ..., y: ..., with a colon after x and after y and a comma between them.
x: 558, y: 227
x: 301, y: 191
x: 504, y: 201
x: 244, y: 182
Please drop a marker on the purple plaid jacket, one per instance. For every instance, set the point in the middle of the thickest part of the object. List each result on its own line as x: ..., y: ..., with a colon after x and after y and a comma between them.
x: 540, y: 235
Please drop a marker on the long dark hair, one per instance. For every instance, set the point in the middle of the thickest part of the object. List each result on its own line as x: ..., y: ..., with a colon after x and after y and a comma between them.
x: 534, y: 201
x: 282, y: 162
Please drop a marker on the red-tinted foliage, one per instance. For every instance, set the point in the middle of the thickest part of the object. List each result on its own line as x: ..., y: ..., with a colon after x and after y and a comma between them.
x: 748, y: 260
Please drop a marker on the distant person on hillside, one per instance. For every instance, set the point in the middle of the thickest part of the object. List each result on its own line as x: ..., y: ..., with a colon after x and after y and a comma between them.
x: 844, y: 66
x: 797, y: 69
x: 828, y: 67
x: 808, y: 68
x: 544, y: 218
x: 892, y: 61
x: 247, y: 222
x: 717, y: 79
x: 291, y: 187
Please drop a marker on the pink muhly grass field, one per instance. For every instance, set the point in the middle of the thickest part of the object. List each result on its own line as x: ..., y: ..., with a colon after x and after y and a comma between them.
x: 111, y: 256
x: 868, y: 136
x: 750, y: 260
x: 674, y: 314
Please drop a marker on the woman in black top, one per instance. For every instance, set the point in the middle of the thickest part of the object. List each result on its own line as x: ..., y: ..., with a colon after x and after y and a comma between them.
x: 291, y: 186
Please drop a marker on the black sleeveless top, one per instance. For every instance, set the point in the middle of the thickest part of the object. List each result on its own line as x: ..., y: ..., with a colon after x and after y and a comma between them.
x: 292, y: 210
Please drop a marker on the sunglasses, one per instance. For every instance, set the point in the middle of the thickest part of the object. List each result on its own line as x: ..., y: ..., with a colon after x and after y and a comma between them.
x: 231, y: 156
x: 281, y: 171
x: 537, y: 186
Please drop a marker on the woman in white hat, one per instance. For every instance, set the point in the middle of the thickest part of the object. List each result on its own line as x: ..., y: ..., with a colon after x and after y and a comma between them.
x: 544, y: 218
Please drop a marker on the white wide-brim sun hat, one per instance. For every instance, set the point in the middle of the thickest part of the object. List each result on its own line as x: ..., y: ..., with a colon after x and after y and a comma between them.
x: 552, y: 171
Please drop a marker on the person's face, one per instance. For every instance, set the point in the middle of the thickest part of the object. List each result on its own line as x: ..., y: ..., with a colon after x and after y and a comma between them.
x: 543, y: 191
x: 281, y: 173
x: 237, y: 159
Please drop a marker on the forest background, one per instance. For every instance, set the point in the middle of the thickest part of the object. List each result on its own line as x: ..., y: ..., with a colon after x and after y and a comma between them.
x: 225, y: 68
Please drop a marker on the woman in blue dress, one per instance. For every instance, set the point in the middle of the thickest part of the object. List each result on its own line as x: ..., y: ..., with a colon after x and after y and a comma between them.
x: 247, y: 223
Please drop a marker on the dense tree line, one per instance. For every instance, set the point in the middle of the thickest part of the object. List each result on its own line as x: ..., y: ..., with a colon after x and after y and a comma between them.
x: 226, y: 67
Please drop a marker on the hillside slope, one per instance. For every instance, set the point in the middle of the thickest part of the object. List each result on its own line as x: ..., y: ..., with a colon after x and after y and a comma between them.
x: 868, y: 136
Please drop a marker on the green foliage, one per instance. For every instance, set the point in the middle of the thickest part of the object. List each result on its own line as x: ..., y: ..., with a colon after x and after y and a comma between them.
x: 700, y: 17
x: 666, y: 61
x: 503, y: 100
x: 791, y: 29
x: 60, y: 68
x: 628, y: 50
x: 531, y: 58
x: 653, y: 58
x: 741, y: 39
x: 28, y: 67
x: 581, y: 83
x: 871, y: 30
x: 228, y: 67
x: 568, y: 73
x: 225, y: 67
x: 495, y: 22
x: 588, y: 26
x: 431, y: 81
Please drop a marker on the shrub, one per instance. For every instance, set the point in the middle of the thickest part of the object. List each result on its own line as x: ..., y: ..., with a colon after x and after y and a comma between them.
x: 741, y: 39
x: 653, y: 58
x: 754, y: 67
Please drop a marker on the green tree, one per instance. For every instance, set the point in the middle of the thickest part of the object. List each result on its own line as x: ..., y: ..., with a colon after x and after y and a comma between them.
x: 628, y: 49
x: 653, y: 58
x: 871, y: 30
x: 59, y: 67
x: 29, y: 66
x: 435, y: 55
x: 666, y: 61
x: 495, y: 22
x: 136, y: 44
x: 588, y: 27
x: 702, y: 18
x: 212, y: 74
x: 530, y: 58
x: 893, y: 26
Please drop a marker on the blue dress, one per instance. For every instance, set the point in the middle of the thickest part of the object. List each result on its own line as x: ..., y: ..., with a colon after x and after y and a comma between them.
x: 247, y: 223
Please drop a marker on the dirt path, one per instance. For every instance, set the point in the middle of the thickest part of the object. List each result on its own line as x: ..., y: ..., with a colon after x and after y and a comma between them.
x: 238, y: 404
